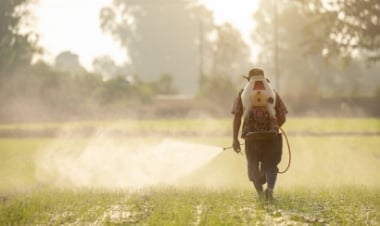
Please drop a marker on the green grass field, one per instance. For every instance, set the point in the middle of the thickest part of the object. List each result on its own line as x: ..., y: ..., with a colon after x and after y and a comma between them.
x: 333, y: 180
x: 174, y: 206
x: 206, y: 125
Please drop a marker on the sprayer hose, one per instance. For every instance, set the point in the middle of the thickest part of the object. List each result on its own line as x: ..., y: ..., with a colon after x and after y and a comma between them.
x: 290, y: 154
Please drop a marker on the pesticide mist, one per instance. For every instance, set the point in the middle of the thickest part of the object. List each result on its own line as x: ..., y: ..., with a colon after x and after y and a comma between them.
x: 103, y: 161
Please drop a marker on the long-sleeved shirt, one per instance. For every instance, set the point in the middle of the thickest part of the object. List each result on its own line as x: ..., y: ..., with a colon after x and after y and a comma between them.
x: 280, y: 109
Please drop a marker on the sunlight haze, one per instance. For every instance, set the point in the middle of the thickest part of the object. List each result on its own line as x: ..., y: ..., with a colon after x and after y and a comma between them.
x: 74, y: 26
x: 238, y: 12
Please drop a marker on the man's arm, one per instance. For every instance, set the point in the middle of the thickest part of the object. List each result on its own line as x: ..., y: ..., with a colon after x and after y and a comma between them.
x: 236, y: 126
x: 237, y: 111
x: 281, y: 110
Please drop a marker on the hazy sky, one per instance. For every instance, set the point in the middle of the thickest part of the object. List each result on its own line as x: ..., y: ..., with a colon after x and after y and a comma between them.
x: 74, y: 25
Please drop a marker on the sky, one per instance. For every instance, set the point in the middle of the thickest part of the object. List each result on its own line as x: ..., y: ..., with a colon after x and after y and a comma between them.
x: 73, y: 25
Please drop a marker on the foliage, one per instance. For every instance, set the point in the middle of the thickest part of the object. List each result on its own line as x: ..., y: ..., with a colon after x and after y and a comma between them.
x: 172, y: 37
x: 343, y: 28
x: 171, y: 206
x: 156, y: 43
x: 40, y: 91
x: 164, y: 85
x: 108, y: 69
x: 303, y: 79
x: 16, y: 48
x: 68, y: 62
x: 217, y: 93
x: 297, y: 73
x: 230, y: 55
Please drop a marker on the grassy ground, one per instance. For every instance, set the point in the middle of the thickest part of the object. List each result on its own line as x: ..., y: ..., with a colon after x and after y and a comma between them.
x: 207, y: 125
x: 332, y: 180
x: 174, y: 206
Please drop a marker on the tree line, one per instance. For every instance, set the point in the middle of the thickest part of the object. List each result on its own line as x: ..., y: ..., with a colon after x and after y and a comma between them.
x: 323, y: 50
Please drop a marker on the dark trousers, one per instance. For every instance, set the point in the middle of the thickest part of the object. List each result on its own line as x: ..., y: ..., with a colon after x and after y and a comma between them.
x: 263, y: 156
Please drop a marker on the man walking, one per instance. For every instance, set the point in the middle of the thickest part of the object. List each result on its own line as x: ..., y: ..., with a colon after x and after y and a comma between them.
x: 263, y: 113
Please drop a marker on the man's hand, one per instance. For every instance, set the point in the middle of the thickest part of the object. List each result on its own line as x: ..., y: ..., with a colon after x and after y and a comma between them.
x: 236, y: 145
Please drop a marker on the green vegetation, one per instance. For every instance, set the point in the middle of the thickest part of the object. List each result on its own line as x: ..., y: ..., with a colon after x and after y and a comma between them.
x: 332, y: 180
x: 173, y: 206
x: 333, y: 124
x: 17, y: 162
x: 16, y: 48
x: 208, y: 125
x: 326, y: 20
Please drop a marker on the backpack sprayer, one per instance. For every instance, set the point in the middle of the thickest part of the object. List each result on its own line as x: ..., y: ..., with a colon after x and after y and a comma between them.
x: 258, y: 99
x: 289, y: 152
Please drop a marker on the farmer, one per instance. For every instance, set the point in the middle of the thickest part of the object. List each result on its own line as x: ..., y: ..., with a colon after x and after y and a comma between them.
x: 263, y: 142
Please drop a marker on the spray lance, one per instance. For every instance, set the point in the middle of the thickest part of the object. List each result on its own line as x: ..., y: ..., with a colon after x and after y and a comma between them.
x: 240, y: 152
x: 289, y: 151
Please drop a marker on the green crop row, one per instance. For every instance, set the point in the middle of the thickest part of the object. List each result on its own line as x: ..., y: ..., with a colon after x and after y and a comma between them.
x: 206, y: 125
x: 191, y: 206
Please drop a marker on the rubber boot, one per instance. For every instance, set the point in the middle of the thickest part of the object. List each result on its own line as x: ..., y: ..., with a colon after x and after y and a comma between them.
x: 271, y: 177
x: 269, y: 194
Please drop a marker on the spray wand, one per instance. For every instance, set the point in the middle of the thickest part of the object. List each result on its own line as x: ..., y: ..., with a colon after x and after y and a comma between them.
x: 226, y: 148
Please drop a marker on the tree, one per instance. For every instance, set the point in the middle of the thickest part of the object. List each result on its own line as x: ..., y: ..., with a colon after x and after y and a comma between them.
x: 230, y: 54
x: 15, y: 48
x: 159, y: 36
x: 108, y: 69
x: 295, y: 70
x: 299, y: 73
x: 217, y: 94
x: 164, y: 85
x: 343, y: 28
x: 173, y: 36
x: 69, y: 62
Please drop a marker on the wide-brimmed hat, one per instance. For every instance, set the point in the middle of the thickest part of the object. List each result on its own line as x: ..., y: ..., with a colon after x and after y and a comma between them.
x: 254, y: 72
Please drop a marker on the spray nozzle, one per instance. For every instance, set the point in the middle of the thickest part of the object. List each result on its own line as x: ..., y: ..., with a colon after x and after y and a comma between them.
x: 226, y: 148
